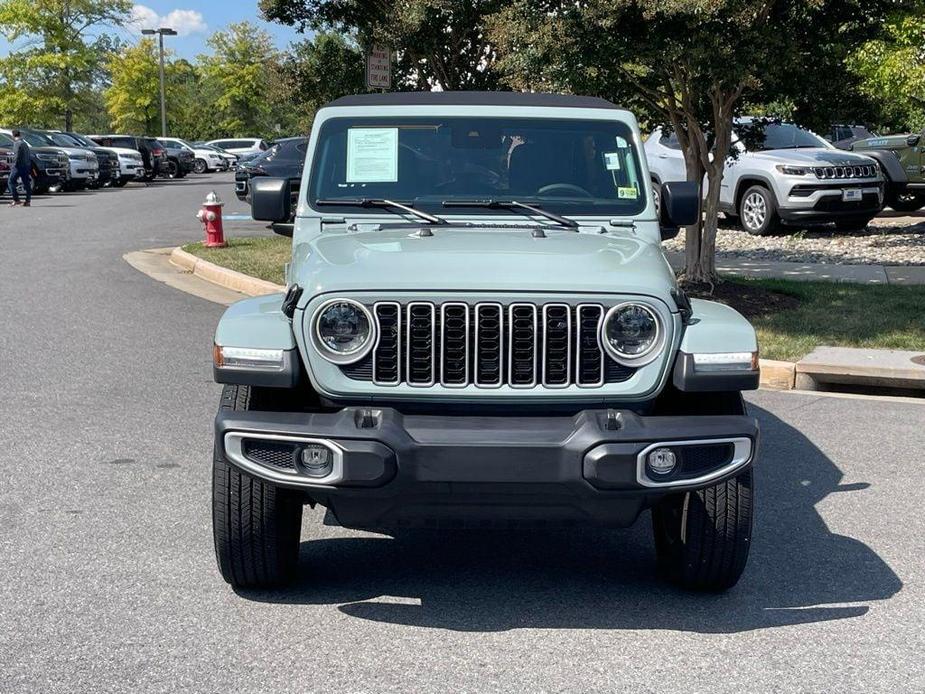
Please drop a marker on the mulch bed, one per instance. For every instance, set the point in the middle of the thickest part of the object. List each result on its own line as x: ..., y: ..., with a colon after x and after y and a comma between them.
x: 750, y: 300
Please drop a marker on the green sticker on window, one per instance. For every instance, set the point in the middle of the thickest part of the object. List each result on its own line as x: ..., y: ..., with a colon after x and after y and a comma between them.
x: 627, y: 193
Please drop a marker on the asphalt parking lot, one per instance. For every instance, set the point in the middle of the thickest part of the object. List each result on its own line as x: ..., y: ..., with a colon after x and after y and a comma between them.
x: 109, y: 581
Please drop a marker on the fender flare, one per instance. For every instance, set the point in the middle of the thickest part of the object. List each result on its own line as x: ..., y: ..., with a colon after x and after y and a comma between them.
x: 714, y: 328
x: 739, y: 189
x: 892, y: 169
x: 259, y: 323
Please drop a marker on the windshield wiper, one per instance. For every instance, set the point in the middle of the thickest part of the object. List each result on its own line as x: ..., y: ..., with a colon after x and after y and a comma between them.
x: 511, y: 205
x: 382, y: 202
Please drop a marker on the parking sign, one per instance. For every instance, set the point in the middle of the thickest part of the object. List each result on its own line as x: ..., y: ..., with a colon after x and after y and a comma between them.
x: 378, y: 68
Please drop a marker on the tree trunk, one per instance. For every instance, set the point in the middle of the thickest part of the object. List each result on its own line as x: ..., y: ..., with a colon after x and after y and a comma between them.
x: 693, y: 247
x: 705, y: 270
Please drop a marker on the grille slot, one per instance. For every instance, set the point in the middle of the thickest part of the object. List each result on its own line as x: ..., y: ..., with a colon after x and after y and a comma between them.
x: 454, y: 345
x: 422, y: 353
x: 489, y: 344
x: 387, y: 354
x: 589, y: 367
x: 522, y: 345
x: 557, y: 345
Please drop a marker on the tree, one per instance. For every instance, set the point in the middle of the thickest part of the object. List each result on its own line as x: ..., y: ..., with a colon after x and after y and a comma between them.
x: 54, y: 74
x: 438, y: 43
x: 316, y: 71
x: 892, y: 70
x: 688, y: 61
x: 237, y: 72
x: 133, y: 97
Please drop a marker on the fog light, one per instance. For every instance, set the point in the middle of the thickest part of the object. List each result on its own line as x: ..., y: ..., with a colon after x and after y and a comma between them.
x: 318, y: 460
x: 661, y: 461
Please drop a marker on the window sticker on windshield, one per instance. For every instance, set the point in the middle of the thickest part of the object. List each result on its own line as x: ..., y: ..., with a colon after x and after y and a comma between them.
x: 627, y: 193
x: 612, y: 161
x: 372, y: 155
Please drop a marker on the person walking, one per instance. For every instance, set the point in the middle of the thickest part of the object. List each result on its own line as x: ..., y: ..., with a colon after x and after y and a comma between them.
x: 21, y: 171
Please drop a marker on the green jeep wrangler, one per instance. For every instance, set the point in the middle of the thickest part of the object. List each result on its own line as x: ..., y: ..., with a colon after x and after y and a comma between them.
x: 902, y: 158
x: 481, y: 330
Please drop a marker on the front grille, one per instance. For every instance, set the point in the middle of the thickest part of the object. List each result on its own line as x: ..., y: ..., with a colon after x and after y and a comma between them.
x: 863, y: 171
x: 488, y: 345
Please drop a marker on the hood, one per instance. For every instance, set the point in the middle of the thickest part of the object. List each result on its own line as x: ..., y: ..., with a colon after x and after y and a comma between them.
x: 482, y: 260
x: 815, y: 156
x: 74, y: 150
x: 123, y: 151
x: 890, y: 142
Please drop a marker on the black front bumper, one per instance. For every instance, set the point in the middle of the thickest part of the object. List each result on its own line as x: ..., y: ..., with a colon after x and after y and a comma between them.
x: 398, y: 469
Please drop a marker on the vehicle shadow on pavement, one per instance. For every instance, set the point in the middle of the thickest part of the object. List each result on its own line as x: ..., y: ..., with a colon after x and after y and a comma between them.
x: 799, y: 571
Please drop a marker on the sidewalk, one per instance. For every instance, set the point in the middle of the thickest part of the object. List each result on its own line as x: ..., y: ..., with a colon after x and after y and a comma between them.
x: 861, y: 274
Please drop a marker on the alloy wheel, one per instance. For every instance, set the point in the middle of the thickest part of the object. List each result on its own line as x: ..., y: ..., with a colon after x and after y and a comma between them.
x: 754, y: 211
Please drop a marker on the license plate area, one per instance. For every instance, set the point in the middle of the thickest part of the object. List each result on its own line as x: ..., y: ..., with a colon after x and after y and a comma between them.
x: 852, y: 195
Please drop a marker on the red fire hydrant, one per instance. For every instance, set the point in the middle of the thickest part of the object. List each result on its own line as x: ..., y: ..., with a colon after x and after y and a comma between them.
x: 211, y: 217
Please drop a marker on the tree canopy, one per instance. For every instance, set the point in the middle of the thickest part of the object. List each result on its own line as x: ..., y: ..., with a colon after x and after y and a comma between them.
x: 688, y: 64
x: 438, y: 43
x: 56, y: 70
x: 892, y: 70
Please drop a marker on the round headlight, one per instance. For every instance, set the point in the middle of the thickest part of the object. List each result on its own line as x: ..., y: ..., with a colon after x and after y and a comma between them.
x: 630, y: 332
x: 344, y: 331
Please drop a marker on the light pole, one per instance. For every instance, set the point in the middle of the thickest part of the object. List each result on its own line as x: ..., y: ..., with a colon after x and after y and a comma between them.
x: 161, y: 33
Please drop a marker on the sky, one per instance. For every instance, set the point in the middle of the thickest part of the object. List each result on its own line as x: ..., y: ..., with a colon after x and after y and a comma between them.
x: 194, y: 20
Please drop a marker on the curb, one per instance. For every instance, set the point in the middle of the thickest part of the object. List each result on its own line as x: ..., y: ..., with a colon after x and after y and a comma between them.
x: 223, y: 277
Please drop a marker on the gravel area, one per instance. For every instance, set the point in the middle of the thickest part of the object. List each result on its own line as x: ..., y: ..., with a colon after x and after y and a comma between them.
x: 889, y: 240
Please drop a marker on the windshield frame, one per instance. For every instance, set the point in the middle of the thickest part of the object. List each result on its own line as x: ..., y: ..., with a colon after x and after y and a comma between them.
x: 573, y: 206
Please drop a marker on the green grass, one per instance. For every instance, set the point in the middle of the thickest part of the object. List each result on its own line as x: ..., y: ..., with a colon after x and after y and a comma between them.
x: 841, y: 315
x: 829, y: 313
x: 258, y: 256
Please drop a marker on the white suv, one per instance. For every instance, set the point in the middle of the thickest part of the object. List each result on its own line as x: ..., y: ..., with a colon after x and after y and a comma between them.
x: 204, y: 160
x: 782, y: 174
x: 244, y: 147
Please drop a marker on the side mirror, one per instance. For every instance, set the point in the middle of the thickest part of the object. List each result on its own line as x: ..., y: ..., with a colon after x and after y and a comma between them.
x: 270, y: 199
x: 913, y: 140
x: 679, y: 206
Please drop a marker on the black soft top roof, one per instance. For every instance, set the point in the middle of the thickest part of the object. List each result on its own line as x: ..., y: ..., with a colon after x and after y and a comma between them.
x: 473, y: 99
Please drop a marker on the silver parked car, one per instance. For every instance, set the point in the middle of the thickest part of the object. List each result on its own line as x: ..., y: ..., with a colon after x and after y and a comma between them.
x: 782, y: 175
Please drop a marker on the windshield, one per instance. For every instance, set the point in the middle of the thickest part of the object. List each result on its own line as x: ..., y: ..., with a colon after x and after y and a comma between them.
x: 5, y: 140
x: 760, y: 136
x: 566, y: 166
x: 37, y: 140
x: 63, y: 140
x: 81, y: 140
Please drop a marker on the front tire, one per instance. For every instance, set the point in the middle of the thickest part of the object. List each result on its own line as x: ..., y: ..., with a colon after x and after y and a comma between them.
x: 255, y: 524
x: 200, y: 166
x: 702, y: 538
x: 171, y: 169
x: 905, y: 202
x: 758, y: 211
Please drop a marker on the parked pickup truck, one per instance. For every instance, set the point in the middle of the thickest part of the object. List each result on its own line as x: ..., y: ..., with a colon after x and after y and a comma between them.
x: 902, y: 158
x: 480, y: 328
